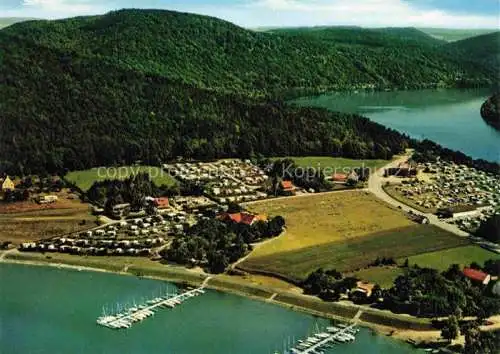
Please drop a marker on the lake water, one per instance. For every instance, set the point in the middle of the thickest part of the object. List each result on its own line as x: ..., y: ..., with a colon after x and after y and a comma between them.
x: 50, y: 310
x: 449, y: 117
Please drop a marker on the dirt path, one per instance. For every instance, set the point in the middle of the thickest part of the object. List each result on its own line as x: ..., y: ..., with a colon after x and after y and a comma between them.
x: 256, y: 246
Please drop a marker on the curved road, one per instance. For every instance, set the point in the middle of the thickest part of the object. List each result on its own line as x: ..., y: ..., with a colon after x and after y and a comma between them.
x: 375, y: 183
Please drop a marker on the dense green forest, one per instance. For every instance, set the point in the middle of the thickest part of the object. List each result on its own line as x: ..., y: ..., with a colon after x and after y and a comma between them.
x: 62, y: 111
x: 211, y: 53
x: 152, y: 85
x: 373, y: 37
x: 483, y: 50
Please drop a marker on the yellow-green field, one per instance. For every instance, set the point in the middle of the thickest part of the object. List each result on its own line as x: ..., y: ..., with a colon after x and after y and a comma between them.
x: 84, y: 179
x: 344, y: 230
x: 354, y: 254
x: 338, y: 164
x: 383, y: 276
x: 460, y: 255
x: 33, y: 222
x: 318, y: 219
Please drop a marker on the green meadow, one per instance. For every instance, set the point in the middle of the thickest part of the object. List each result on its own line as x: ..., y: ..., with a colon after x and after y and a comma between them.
x: 84, y: 179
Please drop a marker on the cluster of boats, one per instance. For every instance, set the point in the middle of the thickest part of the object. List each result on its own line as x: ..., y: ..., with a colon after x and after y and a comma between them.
x: 336, y: 334
x: 127, y: 318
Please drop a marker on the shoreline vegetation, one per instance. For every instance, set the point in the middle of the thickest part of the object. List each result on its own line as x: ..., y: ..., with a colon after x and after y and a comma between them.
x: 403, y: 327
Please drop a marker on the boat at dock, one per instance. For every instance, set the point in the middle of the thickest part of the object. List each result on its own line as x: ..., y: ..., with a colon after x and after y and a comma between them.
x: 125, y: 318
x: 317, y: 342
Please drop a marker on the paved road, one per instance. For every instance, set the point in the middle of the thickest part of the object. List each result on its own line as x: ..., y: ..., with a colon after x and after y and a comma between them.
x: 375, y: 183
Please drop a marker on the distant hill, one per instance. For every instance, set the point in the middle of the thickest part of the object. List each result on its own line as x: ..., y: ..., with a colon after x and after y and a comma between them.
x: 151, y: 85
x: 453, y: 34
x: 215, y: 54
x: 384, y: 37
x: 62, y: 111
x: 483, y: 49
x: 7, y: 21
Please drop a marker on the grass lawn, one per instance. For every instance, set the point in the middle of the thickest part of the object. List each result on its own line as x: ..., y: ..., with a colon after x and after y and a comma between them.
x: 383, y: 276
x: 352, y: 254
x: 460, y: 255
x: 318, y: 219
x: 135, y: 265
x: 85, y: 179
x: 336, y: 164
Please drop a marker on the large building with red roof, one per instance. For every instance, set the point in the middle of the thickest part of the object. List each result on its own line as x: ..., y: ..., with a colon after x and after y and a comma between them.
x: 477, y: 275
x: 241, y: 218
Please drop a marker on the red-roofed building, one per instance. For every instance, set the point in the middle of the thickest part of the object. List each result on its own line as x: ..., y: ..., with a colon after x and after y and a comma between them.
x: 477, y: 275
x: 288, y: 187
x: 339, y: 178
x: 161, y: 203
x: 242, y: 218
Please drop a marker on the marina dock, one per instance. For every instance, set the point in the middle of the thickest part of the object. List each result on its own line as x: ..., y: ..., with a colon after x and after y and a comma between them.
x: 135, y: 314
x: 323, y: 339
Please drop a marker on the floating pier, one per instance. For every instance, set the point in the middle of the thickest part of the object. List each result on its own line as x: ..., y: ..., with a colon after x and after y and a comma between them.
x: 316, y: 343
x: 135, y: 314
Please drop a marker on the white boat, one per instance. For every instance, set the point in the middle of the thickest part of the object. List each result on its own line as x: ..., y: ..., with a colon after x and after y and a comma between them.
x: 332, y: 329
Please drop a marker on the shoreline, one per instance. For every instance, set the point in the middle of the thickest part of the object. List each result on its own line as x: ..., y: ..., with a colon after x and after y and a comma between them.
x: 276, y: 296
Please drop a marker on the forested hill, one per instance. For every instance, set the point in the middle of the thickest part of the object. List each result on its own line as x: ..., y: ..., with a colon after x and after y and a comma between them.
x: 215, y: 54
x: 374, y: 37
x: 483, y: 49
x: 152, y: 85
x: 77, y: 112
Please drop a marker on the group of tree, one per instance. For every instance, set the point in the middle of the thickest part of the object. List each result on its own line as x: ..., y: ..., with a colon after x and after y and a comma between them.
x: 28, y: 185
x: 426, y: 292
x: 16, y: 195
x: 133, y: 190
x: 215, y: 244
x: 287, y: 170
x: 328, y: 285
x: 490, y: 111
x: 484, y: 342
x: 422, y: 292
x: 114, y: 99
x: 490, y: 229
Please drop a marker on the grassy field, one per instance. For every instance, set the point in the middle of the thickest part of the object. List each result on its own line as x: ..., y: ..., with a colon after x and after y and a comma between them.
x: 317, y: 219
x: 133, y: 265
x: 23, y: 226
x: 383, y: 276
x: 352, y: 254
x: 460, y: 255
x: 337, y: 164
x: 85, y: 179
